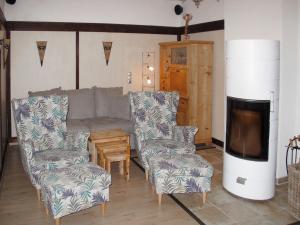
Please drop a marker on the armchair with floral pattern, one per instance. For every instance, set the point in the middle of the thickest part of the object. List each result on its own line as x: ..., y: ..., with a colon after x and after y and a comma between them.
x: 155, y: 128
x: 43, y: 138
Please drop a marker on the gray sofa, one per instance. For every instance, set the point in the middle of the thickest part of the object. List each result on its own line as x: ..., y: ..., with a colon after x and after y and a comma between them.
x: 96, y: 109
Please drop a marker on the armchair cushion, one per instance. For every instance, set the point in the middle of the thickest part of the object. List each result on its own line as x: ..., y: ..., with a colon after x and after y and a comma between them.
x: 76, y: 140
x: 58, y: 158
x: 185, y: 133
x: 164, y: 146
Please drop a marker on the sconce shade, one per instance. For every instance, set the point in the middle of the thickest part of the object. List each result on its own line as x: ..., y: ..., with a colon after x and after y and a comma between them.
x: 178, y: 9
x: 11, y: 2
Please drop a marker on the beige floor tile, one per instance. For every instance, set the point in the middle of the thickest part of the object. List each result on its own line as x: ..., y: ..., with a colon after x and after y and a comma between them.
x: 213, y: 215
x: 238, y: 211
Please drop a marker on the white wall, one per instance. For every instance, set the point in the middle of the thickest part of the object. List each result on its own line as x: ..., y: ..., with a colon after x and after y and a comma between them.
x: 209, y: 10
x: 126, y: 56
x: 58, y: 68
x: 218, y: 80
x: 279, y: 20
x: 252, y: 19
x: 145, y: 12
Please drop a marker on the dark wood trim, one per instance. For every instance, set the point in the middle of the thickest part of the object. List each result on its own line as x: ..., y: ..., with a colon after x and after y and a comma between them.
x: 8, y: 87
x: 204, y: 27
x: 77, y: 60
x: 107, y: 27
x: 2, y: 17
x: 89, y: 27
x: 218, y: 142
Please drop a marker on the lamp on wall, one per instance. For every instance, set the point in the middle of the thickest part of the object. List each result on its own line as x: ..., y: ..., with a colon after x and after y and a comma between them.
x: 148, y: 73
x: 197, y: 2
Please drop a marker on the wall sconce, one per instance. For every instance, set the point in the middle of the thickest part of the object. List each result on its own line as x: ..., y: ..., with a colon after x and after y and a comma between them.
x: 148, y: 74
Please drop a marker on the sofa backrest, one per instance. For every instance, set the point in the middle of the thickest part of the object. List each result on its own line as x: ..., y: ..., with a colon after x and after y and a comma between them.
x: 81, y: 103
x: 41, y: 120
x: 105, y: 99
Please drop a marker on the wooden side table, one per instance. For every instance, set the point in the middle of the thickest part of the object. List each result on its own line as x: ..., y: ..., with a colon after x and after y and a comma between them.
x: 111, y: 146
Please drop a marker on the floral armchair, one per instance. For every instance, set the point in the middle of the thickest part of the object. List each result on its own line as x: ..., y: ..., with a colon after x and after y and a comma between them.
x: 42, y: 135
x: 154, y: 116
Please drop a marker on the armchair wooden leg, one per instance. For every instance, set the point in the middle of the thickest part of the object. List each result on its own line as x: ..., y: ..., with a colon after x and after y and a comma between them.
x: 38, y: 193
x: 204, y: 196
x: 159, y: 199
x: 57, y: 221
x: 47, y: 210
x: 146, y: 174
x: 103, y: 206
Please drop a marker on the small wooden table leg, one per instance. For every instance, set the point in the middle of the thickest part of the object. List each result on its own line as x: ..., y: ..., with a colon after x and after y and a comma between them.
x: 159, y: 199
x: 103, y: 206
x: 108, y: 165
x: 204, y: 196
x: 57, y: 221
x: 121, y: 167
x: 93, y: 151
x: 127, y: 167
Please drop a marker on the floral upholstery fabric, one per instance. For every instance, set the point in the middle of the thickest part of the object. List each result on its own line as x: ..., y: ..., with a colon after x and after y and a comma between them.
x: 164, y: 146
x: 42, y: 120
x: 183, y: 173
x: 154, y: 116
x: 185, y: 133
x: 71, y: 189
x: 41, y: 129
x: 59, y: 158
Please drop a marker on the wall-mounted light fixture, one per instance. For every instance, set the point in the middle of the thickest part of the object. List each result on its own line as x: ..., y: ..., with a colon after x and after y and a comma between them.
x: 148, y: 74
x: 197, y: 2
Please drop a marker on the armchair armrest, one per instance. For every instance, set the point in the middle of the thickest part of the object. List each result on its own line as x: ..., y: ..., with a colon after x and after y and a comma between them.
x: 77, y: 140
x: 185, y: 133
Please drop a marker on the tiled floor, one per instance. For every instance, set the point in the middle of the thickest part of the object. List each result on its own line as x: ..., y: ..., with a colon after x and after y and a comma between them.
x: 134, y: 202
x: 223, y: 208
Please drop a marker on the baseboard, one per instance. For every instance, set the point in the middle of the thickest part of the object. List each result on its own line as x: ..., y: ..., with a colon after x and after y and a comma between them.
x: 281, y: 180
x: 13, y: 140
x: 218, y: 142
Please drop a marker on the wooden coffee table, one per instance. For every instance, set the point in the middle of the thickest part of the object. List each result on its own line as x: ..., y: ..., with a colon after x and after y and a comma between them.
x: 111, y: 146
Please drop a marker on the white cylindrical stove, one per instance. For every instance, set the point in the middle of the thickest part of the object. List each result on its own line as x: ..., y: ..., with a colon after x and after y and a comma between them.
x: 252, y: 73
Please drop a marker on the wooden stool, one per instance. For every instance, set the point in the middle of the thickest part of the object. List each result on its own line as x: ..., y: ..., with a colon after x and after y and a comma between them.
x: 117, y: 153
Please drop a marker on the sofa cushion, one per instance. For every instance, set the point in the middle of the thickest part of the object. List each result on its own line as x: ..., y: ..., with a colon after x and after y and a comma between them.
x: 76, y: 124
x: 81, y: 103
x: 54, y: 91
x: 102, y: 101
x: 119, y: 107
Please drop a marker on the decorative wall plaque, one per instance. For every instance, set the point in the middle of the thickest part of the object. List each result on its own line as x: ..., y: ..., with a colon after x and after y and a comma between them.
x: 107, y: 45
x: 6, y: 44
x: 41, y: 46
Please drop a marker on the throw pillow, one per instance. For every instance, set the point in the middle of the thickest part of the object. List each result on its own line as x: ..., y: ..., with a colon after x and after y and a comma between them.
x: 81, y: 103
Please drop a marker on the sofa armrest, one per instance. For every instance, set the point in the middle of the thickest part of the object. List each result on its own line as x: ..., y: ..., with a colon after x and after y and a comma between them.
x: 185, y: 133
x: 76, y: 140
